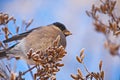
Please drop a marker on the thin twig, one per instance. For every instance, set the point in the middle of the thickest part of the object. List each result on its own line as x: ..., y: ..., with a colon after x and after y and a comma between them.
x: 31, y: 73
x: 29, y: 70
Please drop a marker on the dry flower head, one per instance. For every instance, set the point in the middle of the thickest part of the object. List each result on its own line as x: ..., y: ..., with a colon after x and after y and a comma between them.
x: 48, y: 62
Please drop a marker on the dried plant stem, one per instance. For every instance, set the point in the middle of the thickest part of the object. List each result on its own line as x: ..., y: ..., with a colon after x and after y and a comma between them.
x: 29, y: 70
x: 8, y: 69
x: 85, y: 68
x: 31, y: 73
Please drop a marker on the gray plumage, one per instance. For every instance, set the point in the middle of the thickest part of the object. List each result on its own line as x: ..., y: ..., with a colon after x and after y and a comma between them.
x: 38, y: 39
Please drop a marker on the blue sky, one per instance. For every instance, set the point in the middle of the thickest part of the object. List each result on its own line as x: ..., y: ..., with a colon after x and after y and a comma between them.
x: 72, y: 14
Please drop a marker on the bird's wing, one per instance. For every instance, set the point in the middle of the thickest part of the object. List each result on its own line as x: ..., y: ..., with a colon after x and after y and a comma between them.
x: 19, y: 36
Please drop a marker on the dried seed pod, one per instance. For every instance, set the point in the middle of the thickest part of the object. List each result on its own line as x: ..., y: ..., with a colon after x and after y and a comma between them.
x: 112, y: 6
x: 96, y: 76
x: 106, y: 44
x: 17, y: 57
x: 59, y: 65
x: 35, y: 76
x: 6, y: 16
x: 113, y: 49
x: 117, y: 33
x: 48, y: 60
x: 102, y: 74
x: 114, y: 24
x: 80, y: 73
x: 29, y: 55
x: 54, y: 73
x: 13, y: 76
x: 56, y: 42
x: 5, y: 30
x: 2, y: 21
x: 103, y: 9
x: 82, y: 52
x: 53, y: 77
x: 74, y: 76
x: 100, y: 65
x: 28, y: 24
x: 79, y: 59
x: 17, y: 29
x: 82, y: 57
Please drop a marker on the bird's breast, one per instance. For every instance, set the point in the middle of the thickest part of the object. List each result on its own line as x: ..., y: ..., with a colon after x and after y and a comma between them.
x: 41, y: 39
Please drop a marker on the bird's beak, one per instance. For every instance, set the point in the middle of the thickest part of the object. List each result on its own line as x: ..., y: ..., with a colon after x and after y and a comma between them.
x: 67, y: 33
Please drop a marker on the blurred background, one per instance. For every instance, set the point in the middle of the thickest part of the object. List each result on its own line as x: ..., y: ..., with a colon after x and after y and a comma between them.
x: 72, y: 14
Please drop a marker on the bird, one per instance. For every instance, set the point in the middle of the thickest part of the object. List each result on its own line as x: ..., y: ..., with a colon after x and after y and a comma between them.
x: 39, y: 38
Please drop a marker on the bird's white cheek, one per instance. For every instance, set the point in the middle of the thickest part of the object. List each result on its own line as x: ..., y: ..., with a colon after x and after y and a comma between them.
x: 20, y: 49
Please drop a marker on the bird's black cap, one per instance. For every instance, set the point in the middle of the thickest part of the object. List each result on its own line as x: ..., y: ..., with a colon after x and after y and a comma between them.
x: 60, y: 25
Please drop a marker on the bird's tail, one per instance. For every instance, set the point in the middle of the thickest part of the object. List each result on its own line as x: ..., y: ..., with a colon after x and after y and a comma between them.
x: 2, y: 54
x: 5, y: 52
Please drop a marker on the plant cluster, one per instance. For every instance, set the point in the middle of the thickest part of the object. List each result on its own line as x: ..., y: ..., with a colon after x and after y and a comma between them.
x: 90, y: 75
x: 110, y: 26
